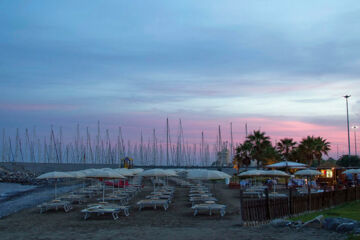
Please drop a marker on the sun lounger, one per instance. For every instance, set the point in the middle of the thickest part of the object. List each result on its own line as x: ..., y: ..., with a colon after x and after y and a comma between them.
x: 102, y: 209
x: 153, y: 203
x: 74, y: 198
x: 210, y: 208
x: 55, y: 204
x: 197, y: 200
x: 122, y: 200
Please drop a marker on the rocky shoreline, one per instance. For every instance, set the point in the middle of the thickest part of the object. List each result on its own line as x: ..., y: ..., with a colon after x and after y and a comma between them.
x: 19, y: 176
x: 335, y: 224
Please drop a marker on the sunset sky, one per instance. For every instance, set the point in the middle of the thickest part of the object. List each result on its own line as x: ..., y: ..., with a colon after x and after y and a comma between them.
x: 281, y: 66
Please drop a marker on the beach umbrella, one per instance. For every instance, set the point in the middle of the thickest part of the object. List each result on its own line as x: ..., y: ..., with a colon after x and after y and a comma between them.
x: 104, y: 173
x: 287, y: 164
x: 352, y: 171
x: 54, y: 175
x: 77, y: 174
x: 136, y: 170
x: 252, y: 173
x: 276, y: 173
x: 308, y: 172
x: 207, y: 175
x: 155, y: 172
x: 171, y: 173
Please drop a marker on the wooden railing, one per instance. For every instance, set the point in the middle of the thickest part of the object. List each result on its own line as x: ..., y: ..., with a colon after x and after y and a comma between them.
x: 264, y: 209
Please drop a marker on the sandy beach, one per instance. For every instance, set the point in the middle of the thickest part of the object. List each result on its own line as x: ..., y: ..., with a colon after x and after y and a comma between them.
x: 177, y: 222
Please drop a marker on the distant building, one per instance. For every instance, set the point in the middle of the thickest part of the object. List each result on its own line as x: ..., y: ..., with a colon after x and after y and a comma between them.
x: 223, y: 158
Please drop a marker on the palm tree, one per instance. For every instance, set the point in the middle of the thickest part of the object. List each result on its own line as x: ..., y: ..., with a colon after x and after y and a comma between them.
x: 243, y: 155
x: 259, y: 142
x: 322, y: 147
x: 311, y: 149
x: 285, y: 147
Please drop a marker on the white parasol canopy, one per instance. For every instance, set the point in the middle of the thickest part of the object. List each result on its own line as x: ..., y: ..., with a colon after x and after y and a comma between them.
x: 77, y: 174
x: 207, y: 175
x: 287, y: 164
x: 125, y: 172
x: 136, y: 170
x: 55, y: 175
x: 252, y: 173
x: 308, y: 172
x: 156, y: 172
x: 276, y: 173
x: 352, y: 171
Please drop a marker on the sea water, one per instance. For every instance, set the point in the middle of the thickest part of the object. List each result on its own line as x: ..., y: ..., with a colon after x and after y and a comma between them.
x: 15, y: 197
x: 8, y: 190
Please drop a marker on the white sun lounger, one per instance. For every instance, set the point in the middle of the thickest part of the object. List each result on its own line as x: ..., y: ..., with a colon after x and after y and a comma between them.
x: 153, y: 203
x: 210, y: 208
x: 114, y: 210
x: 197, y: 200
x: 55, y: 204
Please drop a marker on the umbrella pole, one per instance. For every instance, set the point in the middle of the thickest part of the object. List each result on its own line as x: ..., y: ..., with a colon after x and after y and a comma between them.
x: 103, y: 191
x: 154, y: 184
x: 55, y: 187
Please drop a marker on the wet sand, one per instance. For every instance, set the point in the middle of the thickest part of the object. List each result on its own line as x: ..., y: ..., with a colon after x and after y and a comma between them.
x: 177, y: 222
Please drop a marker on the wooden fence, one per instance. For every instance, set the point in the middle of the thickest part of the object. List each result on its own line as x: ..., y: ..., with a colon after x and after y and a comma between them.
x: 264, y: 209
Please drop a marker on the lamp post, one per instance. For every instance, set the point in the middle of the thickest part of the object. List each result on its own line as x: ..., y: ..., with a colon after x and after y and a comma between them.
x: 347, y: 117
x: 355, y: 127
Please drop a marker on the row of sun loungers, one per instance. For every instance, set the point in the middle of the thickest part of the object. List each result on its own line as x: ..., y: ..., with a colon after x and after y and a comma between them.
x: 119, y: 200
x: 161, y: 197
x: 201, y: 199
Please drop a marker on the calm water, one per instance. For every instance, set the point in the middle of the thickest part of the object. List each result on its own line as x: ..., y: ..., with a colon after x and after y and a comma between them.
x: 15, y: 197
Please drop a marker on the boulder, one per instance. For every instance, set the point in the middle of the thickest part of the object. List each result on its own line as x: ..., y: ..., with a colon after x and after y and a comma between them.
x: 331, y: 223
x: 357, y: 230
x: 346, y: 227
x: 315, y: 223
x: 280, y: 223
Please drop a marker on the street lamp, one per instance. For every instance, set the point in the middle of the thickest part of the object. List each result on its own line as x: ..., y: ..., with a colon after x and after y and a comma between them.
x: 355, y: 127
x: 347, y: 116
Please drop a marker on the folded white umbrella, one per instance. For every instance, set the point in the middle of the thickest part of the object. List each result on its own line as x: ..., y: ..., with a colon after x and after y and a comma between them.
x: 55, y: 175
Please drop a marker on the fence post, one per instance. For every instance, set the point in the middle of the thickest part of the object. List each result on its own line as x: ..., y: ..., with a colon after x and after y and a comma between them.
x: 290, y: 200
x: 347, y: 194
x: 309, y: 197
x: 268, y: 215
x: 241, y: 207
